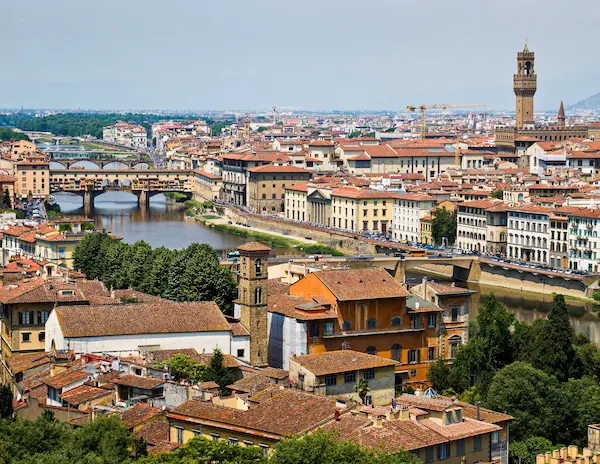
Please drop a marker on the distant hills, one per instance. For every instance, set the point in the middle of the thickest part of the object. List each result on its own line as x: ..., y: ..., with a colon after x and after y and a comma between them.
x: 590, y: 103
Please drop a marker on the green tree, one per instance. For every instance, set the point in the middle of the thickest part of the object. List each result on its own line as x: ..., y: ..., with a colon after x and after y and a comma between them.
x: 65, y: 227
x: 363, y: 389
x: 581, y: 407
x: 182, y: 367
x: 115, y: 253
x: 105, y: 437
x: 439, y: 375
x: 141, y: 261
x: 6, y: 398
x: 531, y: 396
x: 201, y: 450
x: 155, y: 282
x: 443, y: 226
x: 326, y: 448
x: 140, y: 448
x: 6, y: 199
x: 498, y: 194
x: 218, y: 373
x: 7, y: 134
x: 524, y: 452
x: 553, y: 351
x: 89, y: 254
x: 489, y: 348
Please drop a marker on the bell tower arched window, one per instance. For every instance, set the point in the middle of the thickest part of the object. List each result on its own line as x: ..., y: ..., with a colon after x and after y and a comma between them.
x: 258, y: 267
x: 257, y: 295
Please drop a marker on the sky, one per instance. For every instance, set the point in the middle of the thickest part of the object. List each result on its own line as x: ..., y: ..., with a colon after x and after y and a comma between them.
x: 313, y: 54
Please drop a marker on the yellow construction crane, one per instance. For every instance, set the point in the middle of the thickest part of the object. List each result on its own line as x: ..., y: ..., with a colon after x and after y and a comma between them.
x: 441, y: 106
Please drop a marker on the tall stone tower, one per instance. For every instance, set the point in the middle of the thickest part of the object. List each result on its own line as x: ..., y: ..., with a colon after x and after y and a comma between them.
x: 525, y: 85
x: 562, y: 119
x: 252, y: 298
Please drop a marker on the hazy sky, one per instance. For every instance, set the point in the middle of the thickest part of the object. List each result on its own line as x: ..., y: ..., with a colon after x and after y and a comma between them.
x: 317, y: 54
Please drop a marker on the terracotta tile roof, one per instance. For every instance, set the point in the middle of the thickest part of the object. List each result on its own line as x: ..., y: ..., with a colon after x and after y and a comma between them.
x: 362, y: 193
x: 333, y: 362
x: 486, y: 415
x: 482, y: 204
x: 464, y: 429
x: 238, y: 330
x: 427, y: 404
x: 22, y: 362
x: 361, y: 284
x: 37, y: 290
x: 138, y: 414
x: 65, y: 378
x: 136, y: 381
x: 34, y: 381
x: 254, y: 246
x: 288, y: 306
x: 251, y: 384
x: 288, y: 412
x: 140, y: 318
x: 279, y: 374
x: 415, y: 197
x: 273, y: 168
x: 154, y: 432
x: 442, y: 289
x: 83, y: 394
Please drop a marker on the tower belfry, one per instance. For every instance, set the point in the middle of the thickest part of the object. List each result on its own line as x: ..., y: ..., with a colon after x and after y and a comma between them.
x: 252, y: 298
x: 525, y: 85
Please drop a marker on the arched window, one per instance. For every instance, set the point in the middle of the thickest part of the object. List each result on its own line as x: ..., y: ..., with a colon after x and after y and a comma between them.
x: 257, y: 295
x: 371, y: 323
x: 371, y: 350
x: 258, y: 267
x: 346, y: 325
x: 396, y: 321
x: 396, y: 352
x: 264, y: 196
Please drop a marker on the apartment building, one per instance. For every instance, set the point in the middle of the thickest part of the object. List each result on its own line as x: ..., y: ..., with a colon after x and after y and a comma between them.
x: 364, y: 310
x: 472, y: 224
x: 407, y: 212
x: 584, y: 243
x: 339, y: 373
x: 32, y: 177
x: 309, y: 203
x: 362, y: 210
x: 207, y: 186
x: 234, y: 171
x: 529, y: 233
x: 559, y: 237
x: 128, y: 135
x: 267, y: 186
x: 321, y: 156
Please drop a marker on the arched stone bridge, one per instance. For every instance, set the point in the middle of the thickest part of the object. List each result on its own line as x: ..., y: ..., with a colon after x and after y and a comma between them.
x: 101, y: 164
x: 144, y: 183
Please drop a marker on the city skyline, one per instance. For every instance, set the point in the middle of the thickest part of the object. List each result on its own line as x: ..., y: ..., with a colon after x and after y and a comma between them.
x: 333, y: 56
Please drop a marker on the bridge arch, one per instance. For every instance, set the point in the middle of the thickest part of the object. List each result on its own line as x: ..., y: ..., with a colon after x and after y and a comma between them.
x: 142, y: 165
x: 115, y: 165
x: 78, y: 163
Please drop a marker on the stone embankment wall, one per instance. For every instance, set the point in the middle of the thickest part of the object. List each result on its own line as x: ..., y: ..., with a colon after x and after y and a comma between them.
x: 343, y: 242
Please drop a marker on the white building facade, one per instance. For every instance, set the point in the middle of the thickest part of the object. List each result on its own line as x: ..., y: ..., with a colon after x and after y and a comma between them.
x: 408, y: 209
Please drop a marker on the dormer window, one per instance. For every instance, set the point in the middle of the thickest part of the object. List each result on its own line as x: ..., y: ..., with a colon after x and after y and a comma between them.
x: 67, y: 293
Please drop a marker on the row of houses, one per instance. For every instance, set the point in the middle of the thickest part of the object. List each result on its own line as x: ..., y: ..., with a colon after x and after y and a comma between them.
x: 563, y: 237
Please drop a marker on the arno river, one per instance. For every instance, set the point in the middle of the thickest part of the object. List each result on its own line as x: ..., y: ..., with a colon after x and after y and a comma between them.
x: 162, y: 224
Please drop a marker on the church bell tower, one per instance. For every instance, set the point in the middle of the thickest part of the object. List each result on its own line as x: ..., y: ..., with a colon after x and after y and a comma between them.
x: 525, y: 85
x: 252, y: 298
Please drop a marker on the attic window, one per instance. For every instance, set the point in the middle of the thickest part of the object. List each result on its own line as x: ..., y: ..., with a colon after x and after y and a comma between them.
x: 67, y: 293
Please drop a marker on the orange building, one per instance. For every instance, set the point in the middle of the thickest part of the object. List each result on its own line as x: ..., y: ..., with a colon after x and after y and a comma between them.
x: 359, y: 309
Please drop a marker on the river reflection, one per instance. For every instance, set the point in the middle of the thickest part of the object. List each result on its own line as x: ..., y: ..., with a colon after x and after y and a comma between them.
x: 160, y: 224
x: 527, y: 306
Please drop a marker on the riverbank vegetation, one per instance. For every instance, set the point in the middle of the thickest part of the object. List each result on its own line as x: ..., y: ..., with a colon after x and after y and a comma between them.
x: 542, y: 374
x: 191, y: 274
x: 78, y: 124
x: 276, y: 241
x: 176, y: 196
x: 7, y: 134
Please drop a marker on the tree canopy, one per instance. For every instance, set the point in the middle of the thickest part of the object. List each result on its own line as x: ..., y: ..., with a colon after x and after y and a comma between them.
x: 444, y: 226
x: 191, y: 274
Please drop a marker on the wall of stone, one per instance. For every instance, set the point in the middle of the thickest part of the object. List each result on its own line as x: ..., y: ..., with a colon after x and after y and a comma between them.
x: 346, y: 243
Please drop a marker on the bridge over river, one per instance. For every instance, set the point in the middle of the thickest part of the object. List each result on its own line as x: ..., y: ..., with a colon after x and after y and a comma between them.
x: 144, y: 183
